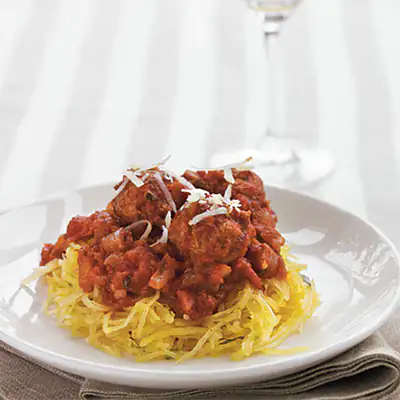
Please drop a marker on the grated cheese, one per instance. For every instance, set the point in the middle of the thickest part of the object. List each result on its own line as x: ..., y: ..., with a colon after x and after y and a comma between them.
x: 228, y: 175
x: 168, y: 177
x: 120, y: 188
x: 228, y: 193
x: 152, y: 166
x: 166, y: 192
x: 208, y: 213
x: 179, y: 178
x: 196, y: 195
x: 168, y: 219
x: 240, y: 166
x: 234, y: 205
x: 214, y: 200
x: 163, y: 238
x: 134, y: 178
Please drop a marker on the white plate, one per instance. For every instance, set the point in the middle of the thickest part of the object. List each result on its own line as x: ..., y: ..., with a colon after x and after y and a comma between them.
x: 355, y: 267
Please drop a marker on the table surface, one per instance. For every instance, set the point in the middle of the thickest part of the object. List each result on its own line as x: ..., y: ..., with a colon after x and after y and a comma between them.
x: 90, y: 86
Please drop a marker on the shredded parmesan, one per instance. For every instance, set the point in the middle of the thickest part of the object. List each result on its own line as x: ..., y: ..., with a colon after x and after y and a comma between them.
x: 120, y: 188
x: 132, y: 176
x: 168, y: 177
x: 163, y: 161
x: 196, y: 195
x: 234, y: 205
x: 228, y: 175
x: 179, y: 178
x: 168, y: 219
x: 208, y: 213
x: 214, y: 200
x: 41, y: 271
x: 163, y: 238
x: 166, y: 192
x: 240, y: 166
x: 228, y: 193
x: 156, y: 165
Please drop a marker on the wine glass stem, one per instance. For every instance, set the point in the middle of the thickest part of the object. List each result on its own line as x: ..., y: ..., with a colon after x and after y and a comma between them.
x: 271, y: 36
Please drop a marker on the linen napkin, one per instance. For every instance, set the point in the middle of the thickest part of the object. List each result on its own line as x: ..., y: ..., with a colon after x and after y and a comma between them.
x: 370, y: 370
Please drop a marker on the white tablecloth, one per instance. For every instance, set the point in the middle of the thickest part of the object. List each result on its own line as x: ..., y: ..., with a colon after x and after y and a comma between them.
x: 90, y: 86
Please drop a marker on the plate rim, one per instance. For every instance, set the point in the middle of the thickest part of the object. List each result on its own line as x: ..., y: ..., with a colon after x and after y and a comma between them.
x: 246, y: 373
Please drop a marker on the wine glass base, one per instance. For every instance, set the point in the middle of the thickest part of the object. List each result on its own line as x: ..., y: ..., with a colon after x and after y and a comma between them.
x: 297, y: 167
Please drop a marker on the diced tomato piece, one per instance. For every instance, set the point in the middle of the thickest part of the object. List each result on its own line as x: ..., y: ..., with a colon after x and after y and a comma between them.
x: 217, y: 273
x: 186, y: 301
x: 243, y: 268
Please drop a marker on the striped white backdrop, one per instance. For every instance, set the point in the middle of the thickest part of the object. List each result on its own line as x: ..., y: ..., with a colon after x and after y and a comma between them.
x: 89, y: 86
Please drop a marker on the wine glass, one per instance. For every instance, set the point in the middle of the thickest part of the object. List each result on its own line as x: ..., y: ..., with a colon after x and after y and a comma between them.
x: 281, y: 161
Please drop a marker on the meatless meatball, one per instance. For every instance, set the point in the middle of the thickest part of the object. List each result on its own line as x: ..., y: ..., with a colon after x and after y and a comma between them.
x: 246, y: 183
x: 148, y: 201
x: 249, y: 190
x: 215, y: 239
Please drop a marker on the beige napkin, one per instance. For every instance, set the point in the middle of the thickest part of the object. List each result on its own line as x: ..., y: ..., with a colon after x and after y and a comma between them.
x: 370, y: 370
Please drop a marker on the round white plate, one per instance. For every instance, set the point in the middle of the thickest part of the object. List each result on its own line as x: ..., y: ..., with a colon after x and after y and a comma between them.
x: 356, y: 270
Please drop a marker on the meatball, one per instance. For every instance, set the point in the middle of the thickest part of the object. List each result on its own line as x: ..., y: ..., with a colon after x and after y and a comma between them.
x: 148, y: 201
x: 212, y: 181
x: 215, y: 239
x: 175, y: 188
x: 247, y: 183
x: 249, y: 190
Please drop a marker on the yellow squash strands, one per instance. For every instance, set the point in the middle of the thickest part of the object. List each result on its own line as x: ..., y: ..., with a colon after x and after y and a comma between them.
x: 251, y: 321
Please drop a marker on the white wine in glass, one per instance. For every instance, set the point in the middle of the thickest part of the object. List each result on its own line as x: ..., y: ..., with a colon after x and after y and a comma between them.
x: 280, y: 160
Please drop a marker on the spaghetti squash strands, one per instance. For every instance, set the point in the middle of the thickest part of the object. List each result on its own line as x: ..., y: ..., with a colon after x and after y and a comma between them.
x: 40, y: 271
x: 250, y: 321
